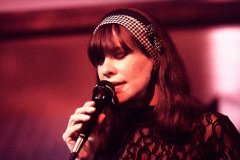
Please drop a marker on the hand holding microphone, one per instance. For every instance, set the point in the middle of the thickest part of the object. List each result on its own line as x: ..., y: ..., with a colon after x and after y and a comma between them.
x: 102, y: 95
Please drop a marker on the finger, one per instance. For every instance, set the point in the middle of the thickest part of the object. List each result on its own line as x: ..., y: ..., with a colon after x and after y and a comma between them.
x: 77, y: 118
x: 88, y: 107
x: 85, y: 110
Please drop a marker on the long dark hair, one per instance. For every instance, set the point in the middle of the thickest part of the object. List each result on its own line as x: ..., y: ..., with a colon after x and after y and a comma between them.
x: 175, y: 111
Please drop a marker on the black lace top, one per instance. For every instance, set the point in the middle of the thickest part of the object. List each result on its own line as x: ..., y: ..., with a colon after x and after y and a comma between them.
x: 215, y: 138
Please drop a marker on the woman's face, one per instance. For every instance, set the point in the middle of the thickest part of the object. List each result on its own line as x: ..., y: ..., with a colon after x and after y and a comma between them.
x: 129, y: 72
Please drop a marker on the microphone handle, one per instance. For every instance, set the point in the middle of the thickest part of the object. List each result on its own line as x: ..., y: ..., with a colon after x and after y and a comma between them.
x: 87, y: 128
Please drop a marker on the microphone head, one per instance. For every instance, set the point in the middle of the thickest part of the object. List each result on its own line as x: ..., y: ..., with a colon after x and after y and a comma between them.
x: 104, y: 90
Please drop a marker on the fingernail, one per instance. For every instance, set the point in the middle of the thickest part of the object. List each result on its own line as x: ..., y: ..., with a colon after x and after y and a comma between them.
x: 78, y: 125
x: 92, y: 108
x: 86, y: 116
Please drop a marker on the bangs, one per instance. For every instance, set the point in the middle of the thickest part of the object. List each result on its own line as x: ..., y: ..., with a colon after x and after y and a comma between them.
x: 103, y: 44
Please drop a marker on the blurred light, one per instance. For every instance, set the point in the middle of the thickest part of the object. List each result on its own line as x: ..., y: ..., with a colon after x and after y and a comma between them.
x: 232, y: 110
x: 225, y: 58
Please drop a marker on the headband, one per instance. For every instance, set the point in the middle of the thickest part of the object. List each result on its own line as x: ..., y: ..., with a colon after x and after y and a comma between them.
x: 140, y: 27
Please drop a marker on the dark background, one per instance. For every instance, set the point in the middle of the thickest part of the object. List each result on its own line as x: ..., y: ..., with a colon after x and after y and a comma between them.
x: 45, y: 73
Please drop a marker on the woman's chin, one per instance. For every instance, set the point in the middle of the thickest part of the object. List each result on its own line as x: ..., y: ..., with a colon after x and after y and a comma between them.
x: 118, y: 100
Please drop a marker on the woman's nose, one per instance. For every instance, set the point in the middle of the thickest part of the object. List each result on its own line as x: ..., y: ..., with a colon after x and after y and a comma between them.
x: 107, y: 69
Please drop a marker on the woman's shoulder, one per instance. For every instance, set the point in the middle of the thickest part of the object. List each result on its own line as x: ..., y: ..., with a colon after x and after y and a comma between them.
x: 217, y: 135
x: 215, y: 121
x: 217, y: 126
x: 210, y: 118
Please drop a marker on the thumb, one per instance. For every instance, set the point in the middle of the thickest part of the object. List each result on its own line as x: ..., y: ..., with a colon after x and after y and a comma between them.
x: 100, y: 119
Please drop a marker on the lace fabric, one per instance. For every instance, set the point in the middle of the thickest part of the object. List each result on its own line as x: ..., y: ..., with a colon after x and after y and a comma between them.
x: 215, y: 137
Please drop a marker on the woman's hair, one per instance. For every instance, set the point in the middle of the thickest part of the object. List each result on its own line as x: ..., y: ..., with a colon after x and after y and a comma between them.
x: 175, y: 111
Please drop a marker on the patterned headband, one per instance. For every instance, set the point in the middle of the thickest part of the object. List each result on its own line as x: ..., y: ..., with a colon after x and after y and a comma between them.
x: 140, y: 27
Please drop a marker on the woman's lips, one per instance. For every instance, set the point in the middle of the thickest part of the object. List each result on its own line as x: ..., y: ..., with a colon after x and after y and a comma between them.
x: 118, y: 86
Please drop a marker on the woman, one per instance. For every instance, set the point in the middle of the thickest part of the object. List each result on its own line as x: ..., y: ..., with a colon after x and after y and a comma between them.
x: 153, y: 115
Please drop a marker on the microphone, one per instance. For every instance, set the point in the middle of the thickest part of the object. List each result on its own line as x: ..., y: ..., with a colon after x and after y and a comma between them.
x: 103, y: 94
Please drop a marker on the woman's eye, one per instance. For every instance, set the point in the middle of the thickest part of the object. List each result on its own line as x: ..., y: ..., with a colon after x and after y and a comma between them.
x: 100, y: 61
x: 120, y: 55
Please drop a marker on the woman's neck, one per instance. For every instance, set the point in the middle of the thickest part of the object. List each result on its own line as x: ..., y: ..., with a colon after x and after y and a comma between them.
x: 151, y: 99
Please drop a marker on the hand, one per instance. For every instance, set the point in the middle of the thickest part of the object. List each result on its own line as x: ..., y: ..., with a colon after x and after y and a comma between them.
x: 74, y: 125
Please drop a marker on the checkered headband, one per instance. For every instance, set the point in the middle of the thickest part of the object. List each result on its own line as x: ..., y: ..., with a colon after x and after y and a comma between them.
x: 142, y: 30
